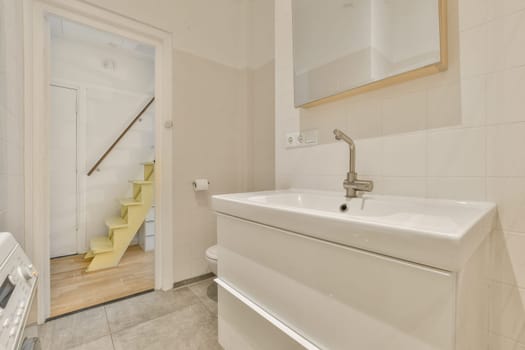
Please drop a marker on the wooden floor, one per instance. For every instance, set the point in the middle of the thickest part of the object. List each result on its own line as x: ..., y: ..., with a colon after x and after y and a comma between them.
x: 72, y: 288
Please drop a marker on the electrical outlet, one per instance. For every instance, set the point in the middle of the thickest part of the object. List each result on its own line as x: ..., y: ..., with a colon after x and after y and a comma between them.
x: 309, y: 137
x: 291, y: 139
x: 301, y: 139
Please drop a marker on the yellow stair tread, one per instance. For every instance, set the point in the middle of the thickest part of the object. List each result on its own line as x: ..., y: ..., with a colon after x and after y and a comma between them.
x: 101, y: 245
x: 141, y: 182
x: 116, y: 222
x: 130, y: 202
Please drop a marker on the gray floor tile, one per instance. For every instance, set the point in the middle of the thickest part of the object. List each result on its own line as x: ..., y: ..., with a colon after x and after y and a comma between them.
x: 104, y: 343
x: 207, y: 292
x: 190, y: 328
x: 130, y: 312
x: 70, y: 331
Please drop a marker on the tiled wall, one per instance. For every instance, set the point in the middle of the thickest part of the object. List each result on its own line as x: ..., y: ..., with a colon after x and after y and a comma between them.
x: 458, y: 134
x: 11, y: 120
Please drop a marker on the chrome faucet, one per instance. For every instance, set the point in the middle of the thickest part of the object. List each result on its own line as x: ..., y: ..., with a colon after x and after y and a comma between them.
x: 351, y: 183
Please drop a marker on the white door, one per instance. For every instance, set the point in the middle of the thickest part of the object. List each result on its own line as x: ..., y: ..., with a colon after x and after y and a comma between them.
x: 63, y: 171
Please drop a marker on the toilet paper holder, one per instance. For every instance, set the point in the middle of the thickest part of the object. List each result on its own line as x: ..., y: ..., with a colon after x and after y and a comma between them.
x: 200, y: 185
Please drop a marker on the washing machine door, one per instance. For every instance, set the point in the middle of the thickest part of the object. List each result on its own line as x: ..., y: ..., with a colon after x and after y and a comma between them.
x: 31, y: 344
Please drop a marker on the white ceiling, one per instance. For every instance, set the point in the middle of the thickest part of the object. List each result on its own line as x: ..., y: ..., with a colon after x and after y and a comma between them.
x: 71, y: 30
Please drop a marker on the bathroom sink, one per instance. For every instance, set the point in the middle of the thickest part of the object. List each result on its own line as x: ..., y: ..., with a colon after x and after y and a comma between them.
x: 433, y: 232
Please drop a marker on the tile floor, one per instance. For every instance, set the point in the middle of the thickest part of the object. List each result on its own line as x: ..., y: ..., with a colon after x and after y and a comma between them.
x: 184, y: 318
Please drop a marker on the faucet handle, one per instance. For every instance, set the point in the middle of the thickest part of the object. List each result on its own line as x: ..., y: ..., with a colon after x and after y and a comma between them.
x: 363, y: 185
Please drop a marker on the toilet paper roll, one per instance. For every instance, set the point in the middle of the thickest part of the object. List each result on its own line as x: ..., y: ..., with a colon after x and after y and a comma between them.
x: 200, y: 185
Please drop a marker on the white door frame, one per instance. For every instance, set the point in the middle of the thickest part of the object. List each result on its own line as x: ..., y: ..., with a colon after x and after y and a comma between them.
x: 36, y: 117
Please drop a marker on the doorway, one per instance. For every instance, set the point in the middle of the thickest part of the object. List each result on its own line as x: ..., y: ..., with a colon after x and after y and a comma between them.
x: 101, y: 166
x: 37, y: 136
x: 63, y: 172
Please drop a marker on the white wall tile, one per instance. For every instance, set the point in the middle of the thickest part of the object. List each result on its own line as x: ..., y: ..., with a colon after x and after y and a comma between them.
x: 401, y: 186
x: 495, y: 45
x: 364, y: 119
x: 291, y: 160
x: 459, y: 188
x: 506, y: 150
x: 506, y: 96
x: 404, y: 155
x: 507, y: 311
x: 325, y: 119
x: 514, y: 39
x: 500, y: 8
x: 506, y: 40
x: 507, y: 258
x: 369, y: 156
x: 301, y: 180
x: 473, y: 51
x: 458, y: 152
x: 404, y: 113
x: 472, y: 13
x: 284, y: 126
x: 283, y: 180
x: 509, y: 195
x: 473, y: 101
x: 330, y: 159
x: 332, y: 183
x: 511, y: 6
x: 444, y: 107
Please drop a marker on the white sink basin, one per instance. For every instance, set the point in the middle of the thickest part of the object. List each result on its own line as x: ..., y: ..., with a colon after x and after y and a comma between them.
x: 438, y: 233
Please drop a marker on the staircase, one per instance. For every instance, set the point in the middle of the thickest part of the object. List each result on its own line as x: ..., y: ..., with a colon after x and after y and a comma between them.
x: 106, y: 251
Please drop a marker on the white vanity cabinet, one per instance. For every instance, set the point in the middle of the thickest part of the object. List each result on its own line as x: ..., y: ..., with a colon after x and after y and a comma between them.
x: 280, y: 289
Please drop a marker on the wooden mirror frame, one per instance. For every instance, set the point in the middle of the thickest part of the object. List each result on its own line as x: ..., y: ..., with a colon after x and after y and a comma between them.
x: 434, y: 68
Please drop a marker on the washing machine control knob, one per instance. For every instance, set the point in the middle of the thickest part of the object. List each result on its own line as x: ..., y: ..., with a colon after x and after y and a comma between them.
x: 26, y: 272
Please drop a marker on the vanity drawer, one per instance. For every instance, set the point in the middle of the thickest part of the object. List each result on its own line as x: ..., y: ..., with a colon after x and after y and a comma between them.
x: 337, y: 297
x: 242, y: 327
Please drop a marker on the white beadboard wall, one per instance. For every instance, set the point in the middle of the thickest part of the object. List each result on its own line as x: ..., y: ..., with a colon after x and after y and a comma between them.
x: 458, y: 134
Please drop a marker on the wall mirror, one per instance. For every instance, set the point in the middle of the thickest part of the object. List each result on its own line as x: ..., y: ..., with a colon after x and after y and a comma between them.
x: 346, y: 47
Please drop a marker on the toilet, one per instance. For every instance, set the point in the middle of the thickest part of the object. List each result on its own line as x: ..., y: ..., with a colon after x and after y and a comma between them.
x: 211, y: 257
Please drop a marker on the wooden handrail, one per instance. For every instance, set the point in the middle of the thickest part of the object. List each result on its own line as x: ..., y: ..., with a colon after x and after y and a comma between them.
x: 108, y: 151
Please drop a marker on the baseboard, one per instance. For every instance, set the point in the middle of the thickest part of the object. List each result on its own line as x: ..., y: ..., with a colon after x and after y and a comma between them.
x: 192, y: 280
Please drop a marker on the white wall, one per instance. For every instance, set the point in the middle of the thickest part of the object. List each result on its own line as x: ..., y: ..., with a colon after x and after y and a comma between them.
x: 459, y: 134
x: 260, y: 29
x: 214, y: 133
x: 83, y: 62
x: 11, y: 120
x: 108, y: 99
x: 261, y: 94
x: 208, y: 29
x: 213, y: 129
